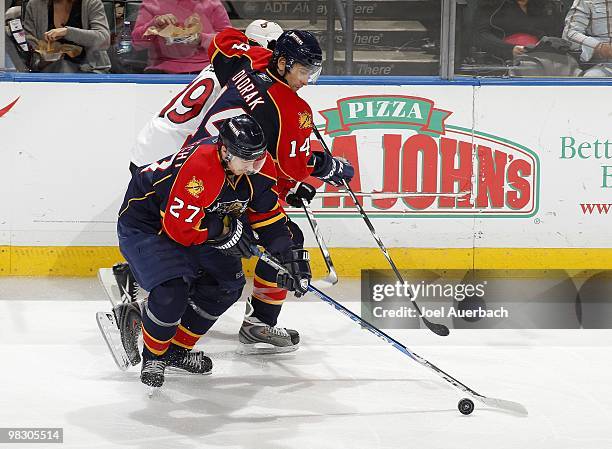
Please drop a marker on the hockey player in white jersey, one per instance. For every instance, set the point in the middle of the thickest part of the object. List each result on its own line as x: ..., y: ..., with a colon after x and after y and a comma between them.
x: 180, y: 118
x: 166, y: 132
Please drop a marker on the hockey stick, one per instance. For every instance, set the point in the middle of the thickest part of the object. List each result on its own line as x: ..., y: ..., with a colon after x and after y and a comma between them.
x: 108, y: 282
x: 332, y: 277
x: 501, y: 404
x: 439, y: 329
x: 384, y: 195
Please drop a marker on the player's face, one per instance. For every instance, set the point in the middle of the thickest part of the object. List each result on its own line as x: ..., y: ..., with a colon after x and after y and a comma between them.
x: 239, y: 166
x: 299, y: 75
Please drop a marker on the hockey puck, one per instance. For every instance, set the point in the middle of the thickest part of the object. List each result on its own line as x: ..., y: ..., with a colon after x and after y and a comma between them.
x: 466, y: 406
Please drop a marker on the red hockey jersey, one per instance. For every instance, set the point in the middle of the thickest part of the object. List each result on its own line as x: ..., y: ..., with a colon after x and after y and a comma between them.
x: 187, y: 196
x: 253, y: 89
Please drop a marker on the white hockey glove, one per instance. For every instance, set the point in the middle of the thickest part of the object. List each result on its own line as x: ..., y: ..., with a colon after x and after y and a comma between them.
x: 236, y: 242
x: 301, y: 191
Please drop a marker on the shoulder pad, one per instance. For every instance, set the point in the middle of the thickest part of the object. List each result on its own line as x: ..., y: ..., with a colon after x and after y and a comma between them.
x: 259, y: 57
x: 203, y: 174
x: 229, y: 43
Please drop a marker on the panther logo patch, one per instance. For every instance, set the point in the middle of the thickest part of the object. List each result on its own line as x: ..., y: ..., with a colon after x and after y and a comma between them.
x: 233, y: 208
x: 195, y: 187
x: 305, y: 120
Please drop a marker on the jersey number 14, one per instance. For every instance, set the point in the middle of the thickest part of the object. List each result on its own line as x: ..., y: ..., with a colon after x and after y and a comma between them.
x: 305, y: 148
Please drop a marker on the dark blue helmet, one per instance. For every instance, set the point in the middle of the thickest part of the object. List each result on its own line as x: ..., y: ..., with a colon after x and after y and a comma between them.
x: 302, y: 47
x: 243, y: 137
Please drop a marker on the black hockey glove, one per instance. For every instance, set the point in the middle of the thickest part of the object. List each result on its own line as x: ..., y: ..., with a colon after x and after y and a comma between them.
x: 297, y: 263
x: 340, y: 170
x: 301, y: 191
x: 236, y: 242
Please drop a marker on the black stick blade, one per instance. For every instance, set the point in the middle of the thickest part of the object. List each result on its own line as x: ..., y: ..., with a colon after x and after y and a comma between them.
x: 438, y: 329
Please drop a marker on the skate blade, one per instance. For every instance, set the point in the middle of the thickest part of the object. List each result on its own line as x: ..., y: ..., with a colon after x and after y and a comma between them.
x: 264, y: 348
x: 181, y: 372
x: 107, y: 279
x: 112, y: 338
x: 152, y: 391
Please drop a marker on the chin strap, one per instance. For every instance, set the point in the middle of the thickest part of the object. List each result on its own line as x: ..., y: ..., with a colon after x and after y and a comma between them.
x: 225, y: 160
x: 274, y: 71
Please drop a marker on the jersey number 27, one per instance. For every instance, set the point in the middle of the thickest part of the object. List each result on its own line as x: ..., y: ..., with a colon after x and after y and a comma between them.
x: 178, y: 204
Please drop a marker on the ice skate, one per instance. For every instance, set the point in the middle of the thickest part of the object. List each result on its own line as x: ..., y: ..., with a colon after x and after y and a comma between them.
x: 109, y: 283
x: 128, y: 316
x: 257, y: 337
x: 194, y: 362
x: 152, y: 370
x: 128, y: 287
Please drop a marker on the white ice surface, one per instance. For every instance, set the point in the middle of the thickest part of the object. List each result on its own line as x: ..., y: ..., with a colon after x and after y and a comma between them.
x: 343, y: 388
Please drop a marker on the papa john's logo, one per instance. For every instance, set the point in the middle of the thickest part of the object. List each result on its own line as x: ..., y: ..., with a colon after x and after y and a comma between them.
x: 425, y: 166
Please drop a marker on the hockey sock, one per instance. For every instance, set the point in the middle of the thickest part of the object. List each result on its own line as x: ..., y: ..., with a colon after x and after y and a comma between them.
x: 185, y: 338
x: 163, y: 311
x: 202, y: 313
x: 266, y: 300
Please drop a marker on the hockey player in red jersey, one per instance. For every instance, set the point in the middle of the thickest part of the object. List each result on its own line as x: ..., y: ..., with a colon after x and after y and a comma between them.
x: 265, y: 85
x: 184, y: 226
x: 168, y: 131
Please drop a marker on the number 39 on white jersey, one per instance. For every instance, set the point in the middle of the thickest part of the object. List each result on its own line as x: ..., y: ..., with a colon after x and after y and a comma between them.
x: 177, y: 121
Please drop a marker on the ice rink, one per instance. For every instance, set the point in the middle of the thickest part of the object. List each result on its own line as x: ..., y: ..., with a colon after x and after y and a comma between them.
x: 343, y: 388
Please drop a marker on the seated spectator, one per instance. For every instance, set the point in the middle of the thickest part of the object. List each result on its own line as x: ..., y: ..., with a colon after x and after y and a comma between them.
x: 505, y: 27
x: 81, y: 24
x: 177, y: 33
x: 17, y: 50
x: 587, y: 26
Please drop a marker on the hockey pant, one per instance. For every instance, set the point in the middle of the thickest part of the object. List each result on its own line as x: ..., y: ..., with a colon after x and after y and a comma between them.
x: 180, y: 310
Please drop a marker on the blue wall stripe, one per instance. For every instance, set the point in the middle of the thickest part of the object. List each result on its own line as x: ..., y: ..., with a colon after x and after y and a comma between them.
x: 324, y: 80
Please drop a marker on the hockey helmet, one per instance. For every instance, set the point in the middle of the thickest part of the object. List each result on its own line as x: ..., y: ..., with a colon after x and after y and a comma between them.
x: 245, y: 141
x: 301, y: 47
x: 263, y: 32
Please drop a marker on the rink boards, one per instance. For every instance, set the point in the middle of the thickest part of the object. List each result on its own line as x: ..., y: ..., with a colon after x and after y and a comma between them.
x: 497, y: 176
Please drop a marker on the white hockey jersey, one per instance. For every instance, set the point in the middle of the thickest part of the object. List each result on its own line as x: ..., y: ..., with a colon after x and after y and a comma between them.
x: 166, y: 133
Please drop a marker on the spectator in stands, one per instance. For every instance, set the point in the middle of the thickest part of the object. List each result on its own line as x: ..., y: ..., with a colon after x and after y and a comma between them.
x: 185, y: 53
x: 505, y: 27
x: 77, y: 22
x: 587, y: 26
